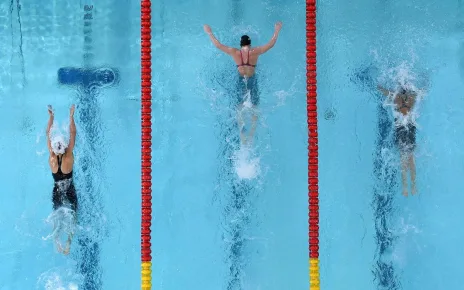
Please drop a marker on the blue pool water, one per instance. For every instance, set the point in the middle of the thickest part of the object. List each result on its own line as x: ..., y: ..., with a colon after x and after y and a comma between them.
x: 36, y: 40
x: 220, y: 223
x: 372, y: 236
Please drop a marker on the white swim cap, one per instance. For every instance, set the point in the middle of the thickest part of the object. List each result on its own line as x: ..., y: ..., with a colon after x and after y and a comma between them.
x: 58, y: 144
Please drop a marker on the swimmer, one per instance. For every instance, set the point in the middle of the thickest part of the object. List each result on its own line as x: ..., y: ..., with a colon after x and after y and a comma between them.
x: 405, y: 134
x: 246, y: 59
x: 61, y: 163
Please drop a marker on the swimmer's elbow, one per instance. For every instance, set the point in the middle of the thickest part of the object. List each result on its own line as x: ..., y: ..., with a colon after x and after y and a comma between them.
x: 221, y: 47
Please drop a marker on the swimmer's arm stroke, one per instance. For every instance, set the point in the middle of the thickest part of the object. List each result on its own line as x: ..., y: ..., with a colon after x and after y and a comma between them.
x: 220, y: 46
x: 384, y: 91
x: 72, y: 130
x: 272, y: 42
x: 49, y: 126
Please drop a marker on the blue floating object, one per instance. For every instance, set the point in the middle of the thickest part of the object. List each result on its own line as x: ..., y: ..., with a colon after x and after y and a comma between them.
x: 88, y: 77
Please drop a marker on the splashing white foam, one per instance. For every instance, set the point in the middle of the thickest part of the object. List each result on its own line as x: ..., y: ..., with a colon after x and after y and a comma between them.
x: 402, y: 76
x: 51, y: 280
x: 63, y: 222
x: 246, y: 166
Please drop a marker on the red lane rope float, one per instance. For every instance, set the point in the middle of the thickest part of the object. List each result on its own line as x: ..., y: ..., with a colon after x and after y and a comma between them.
x: 146, y: 142
x: 311, y: 105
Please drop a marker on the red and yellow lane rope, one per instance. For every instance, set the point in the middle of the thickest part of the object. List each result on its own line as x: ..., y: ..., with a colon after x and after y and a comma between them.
x: 311, y: 103
x: 146, y: 142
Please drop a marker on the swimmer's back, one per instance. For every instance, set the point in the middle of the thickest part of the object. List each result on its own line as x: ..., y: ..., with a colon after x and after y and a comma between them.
x: 246, y: 61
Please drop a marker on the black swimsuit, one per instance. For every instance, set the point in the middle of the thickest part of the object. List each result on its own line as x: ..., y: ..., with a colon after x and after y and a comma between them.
x: 405, y: 135
x: 64, y: 192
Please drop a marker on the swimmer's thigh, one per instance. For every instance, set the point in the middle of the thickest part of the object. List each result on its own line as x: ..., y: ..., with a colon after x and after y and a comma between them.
x: 240, y: 91
x: 72, y: 197
x: 412, y: 137
x: 254, y: 90
x: 56, y: 198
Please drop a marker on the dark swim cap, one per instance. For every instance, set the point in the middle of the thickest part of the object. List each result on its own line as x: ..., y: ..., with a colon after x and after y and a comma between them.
x: 245, y: 40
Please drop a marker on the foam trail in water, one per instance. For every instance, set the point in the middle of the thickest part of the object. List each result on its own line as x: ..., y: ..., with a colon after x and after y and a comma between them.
x: 55, y: 279
x: 246, y: 166
x: 63, y: 222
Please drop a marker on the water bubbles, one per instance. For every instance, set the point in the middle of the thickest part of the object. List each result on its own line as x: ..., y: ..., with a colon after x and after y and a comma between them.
x: 330, y: 114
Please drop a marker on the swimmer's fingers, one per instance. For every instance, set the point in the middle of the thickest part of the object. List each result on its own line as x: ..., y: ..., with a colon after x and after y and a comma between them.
x: 71, y: 111
x: 207, y: 28
x: 50, y: 110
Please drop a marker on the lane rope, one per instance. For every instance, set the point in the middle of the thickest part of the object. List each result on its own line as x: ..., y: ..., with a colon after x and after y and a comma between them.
x: 146, y: 143
x: 311, y: 106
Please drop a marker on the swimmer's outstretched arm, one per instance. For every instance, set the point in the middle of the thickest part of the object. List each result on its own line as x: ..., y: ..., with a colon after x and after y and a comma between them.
x: 72, y: 130
x: 222, y: 47
x: 383, y: 90
x: 49, y: 126
x: 272, y: 42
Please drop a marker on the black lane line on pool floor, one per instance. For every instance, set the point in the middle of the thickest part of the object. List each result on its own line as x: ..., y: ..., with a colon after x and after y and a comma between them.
x: 385, y: 190
x: 89, y: 114
x: 88, y: 82
x: 240, y: 191
x: 233, y: 192
x: 90, y: 198
x: 21, y: 55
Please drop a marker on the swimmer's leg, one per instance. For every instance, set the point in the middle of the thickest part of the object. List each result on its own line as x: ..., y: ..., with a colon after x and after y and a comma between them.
x: 239, y: 91
x: 254, y: 92
x: 254, y: 121
x: 56, y: 235
x: 70, y: 235
x: 241, y: 124
x: 404, y: 173
x: 411, y: 161
x: 57, y: 226
x: 412, y: 168
x: 68, y: 244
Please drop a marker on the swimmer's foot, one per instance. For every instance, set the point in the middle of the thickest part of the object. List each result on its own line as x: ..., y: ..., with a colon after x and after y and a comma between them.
x: 405, y: 192
x: 59, y: 248
x: 68, y: 246
x: 413, y: 189
x: 66, y: 250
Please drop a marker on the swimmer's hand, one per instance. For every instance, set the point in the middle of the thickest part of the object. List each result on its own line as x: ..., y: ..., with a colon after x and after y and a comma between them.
x: 50, y: 110
x: 207, y: 29
x: 278, y: 26
x: 71, y: 111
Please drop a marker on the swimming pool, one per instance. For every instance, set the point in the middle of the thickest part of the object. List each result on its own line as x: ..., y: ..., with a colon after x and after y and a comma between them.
x: 37, y: 40
x: 219, y: 223
x: 371, y: 236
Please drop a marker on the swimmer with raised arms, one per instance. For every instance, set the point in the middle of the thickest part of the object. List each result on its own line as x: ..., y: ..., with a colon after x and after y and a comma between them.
x: 246, y: 59
x: 61, y: 163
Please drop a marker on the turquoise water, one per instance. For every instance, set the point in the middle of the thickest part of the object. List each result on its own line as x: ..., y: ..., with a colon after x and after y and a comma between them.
x: 36, y: 40
x: 371, y: 236
x: 220, y: 221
